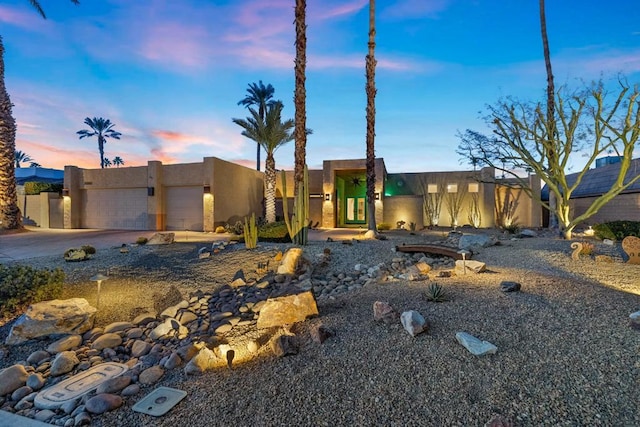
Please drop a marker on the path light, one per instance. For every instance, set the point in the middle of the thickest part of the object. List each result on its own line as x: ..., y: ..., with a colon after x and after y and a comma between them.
x: 99, y: 278
x: 464, y: 254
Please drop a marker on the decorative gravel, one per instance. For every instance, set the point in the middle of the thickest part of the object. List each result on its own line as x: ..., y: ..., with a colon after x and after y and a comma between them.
x: 566, y: 354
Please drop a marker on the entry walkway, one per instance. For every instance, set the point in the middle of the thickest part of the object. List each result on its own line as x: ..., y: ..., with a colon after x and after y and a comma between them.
x: 39, y: 242
x: 7, y: 419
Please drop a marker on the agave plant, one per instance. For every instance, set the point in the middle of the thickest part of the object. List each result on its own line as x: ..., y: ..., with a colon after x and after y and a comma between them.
x: 435, y: 293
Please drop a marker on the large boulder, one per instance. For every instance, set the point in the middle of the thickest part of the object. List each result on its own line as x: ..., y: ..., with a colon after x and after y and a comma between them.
x: 12, y: 378
x: 290, y: 261
x: 287, y: 310
x: 475, y: 242
x: 57, y: 317
x: 161, y: 239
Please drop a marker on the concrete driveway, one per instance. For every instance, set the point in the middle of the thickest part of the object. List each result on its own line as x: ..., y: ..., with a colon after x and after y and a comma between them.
x: 39, y: 242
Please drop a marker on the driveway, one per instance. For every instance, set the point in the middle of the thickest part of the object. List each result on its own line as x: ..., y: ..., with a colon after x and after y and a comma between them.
x: 39, y: 242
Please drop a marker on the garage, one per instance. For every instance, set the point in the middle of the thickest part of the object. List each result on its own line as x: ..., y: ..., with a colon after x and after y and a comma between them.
x: 184, y: 208
x: 121, y: 209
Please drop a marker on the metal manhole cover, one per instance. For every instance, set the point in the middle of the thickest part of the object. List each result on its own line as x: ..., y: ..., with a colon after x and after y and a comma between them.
x: 159, y: 401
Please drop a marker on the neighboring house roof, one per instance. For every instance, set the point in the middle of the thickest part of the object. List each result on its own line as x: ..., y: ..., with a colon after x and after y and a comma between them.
x: 598, y: 181
x: 49, y: 176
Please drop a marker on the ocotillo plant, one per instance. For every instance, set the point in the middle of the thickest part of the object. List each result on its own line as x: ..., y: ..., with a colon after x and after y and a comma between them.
x: 298, y: 225
x: 250, y: 232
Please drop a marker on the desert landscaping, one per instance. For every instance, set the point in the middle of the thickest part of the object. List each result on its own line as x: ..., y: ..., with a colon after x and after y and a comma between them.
x: 567, y: 353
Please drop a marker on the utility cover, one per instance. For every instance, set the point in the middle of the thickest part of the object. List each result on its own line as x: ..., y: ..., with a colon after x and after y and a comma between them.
x: 159, y: 401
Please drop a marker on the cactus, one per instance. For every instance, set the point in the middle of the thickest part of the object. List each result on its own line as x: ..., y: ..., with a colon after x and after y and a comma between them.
x: 435, y: 293
x: 298, y: 224
x: 250, y: 232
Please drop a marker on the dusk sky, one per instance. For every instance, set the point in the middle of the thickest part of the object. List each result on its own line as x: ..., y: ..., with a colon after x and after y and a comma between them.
x: 170, y: 73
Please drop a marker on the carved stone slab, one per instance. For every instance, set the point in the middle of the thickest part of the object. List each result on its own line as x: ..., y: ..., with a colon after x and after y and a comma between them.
x: 631, y: 245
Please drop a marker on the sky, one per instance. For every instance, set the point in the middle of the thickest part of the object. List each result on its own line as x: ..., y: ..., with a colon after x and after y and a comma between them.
x: 170, y: 73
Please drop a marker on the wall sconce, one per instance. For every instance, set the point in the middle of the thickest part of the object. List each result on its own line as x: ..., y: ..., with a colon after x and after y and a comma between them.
x: 65, y: 192
x: 151, y: 191
x: 207, y: 189
x: 377, y: 196
x: 327, y: 197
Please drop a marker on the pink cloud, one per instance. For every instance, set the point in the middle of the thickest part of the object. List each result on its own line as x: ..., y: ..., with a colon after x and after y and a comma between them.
x: 21, y: 18
x: 172, y: 136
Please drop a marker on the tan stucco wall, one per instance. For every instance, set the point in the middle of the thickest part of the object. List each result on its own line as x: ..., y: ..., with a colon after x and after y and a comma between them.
x: 128, y: 177
x: 237, y: 192
x: 403, y: 208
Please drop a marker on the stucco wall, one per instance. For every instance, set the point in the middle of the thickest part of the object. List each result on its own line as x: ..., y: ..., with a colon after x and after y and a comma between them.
x: 403, y: 208
x: 127, y: 177
x: 237, y: 192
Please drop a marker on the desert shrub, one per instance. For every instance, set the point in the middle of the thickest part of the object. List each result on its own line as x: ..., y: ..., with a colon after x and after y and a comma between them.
x: 384, y: 226
x: 617, y: 230
x: 435, y: 293
x: 275, y: 232
x: 237, y: 228
x: 220, y: 229
x: 511, y: 228
x: 142, y: 240
x: 23, y: 285
x: 88, y: 249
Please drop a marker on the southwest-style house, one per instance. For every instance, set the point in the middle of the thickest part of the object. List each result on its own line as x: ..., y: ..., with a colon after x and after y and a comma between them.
x: 201, y: 196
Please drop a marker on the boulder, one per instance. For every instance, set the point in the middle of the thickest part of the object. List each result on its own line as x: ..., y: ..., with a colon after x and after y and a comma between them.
x: 140, y: 348
x: 470, y: 265
x: 104, y: 402
x: 634, y: 320
x: 287, y: 310
x: 161, y: 239
x: 74, y: 255
x: 169, y: 327
x: 64, y: 344
x: 151, y: 375
x: 172, y: 311
x: 290, y: 261
x: 370, y: 234
x: 12, y: 378
x: 110, y: 340
x: 474, y: 242
x: 507, y: 286
x: 320, y: 333
x: 413, y: 322
x: 383, y: 311
x: 117, y: 327
x: 63, y: 363
x: 284, y: 344
x: 114, y: 385
x: 200, y: 362
x: 57, y: 317
x: 476, y: 346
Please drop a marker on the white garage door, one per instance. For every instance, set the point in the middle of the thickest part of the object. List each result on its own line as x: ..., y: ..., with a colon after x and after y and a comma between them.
x: 121, y: 209
x: 184, y: 208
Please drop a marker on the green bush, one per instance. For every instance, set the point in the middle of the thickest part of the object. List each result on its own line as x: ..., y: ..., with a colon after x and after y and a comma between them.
x: 31, y: 188
x: 617, y: 230
x: 141, y: 241
x: 384, y: 226
x: 512, y: 229
x: 275, y: 232
x: 23, y: 285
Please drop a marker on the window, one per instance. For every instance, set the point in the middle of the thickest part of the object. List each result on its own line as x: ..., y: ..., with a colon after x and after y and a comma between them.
x: 474, y: 187
x: 452, y: 188
x: 432, y: 188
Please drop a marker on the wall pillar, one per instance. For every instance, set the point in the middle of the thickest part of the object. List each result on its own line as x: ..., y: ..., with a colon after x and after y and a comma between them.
x: 72, y: 197
x: 156, y: 216
x: 208, y: 196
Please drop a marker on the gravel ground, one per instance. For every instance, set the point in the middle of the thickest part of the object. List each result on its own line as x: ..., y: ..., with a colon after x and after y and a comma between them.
x: 566, y: 355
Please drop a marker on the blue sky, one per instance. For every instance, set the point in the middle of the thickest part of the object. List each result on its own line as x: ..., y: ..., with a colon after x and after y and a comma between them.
x: 170, y: 73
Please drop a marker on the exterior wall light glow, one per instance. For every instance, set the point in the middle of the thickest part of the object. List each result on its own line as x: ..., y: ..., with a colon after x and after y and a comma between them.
x: 327, y: 197
x: 65, y: 192
x: 377, y: 196
x: 207, y: 189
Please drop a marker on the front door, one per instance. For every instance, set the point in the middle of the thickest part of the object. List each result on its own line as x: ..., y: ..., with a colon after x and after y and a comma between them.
x: 355, y: 212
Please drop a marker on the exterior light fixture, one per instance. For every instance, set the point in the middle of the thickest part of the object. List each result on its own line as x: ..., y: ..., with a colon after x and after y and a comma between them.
x: 207, y: 189
x: 151, y: 191
x: 377, y: 196
x: 327, y: 197
x: 99, y: 278
x: 65, y: 192
x: 464, y: 254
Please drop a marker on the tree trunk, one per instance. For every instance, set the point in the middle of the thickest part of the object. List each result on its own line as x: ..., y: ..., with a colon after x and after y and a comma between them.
x: 371, y: 117
x: 101, y: 142
x: 258, y: 157
x: 270, y: 191
x: 10, y: 216
x: 551, y: 120
x: 299, y: 98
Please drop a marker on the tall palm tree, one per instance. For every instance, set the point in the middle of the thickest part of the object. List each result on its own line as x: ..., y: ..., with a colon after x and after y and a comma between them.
x: 270, y: 133
x: 102, y: 128
x: 107, y: 163
x: 117, y: 161
x: 35, y: 165
x: 551, y: 122
x: 371, y: 117
x: 21, y: 157
x: 10, y: 217
x: 300, y: 94
x: 260, y: 95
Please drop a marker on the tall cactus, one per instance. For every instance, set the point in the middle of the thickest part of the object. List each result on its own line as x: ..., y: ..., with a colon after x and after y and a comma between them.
x: 250, y: 232
x: 298, y: 225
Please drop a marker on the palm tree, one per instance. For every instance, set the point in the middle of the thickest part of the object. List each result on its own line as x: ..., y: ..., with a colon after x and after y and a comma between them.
x: 107, y: 163
x: 270, y: 134
x: 551, y: 123
x: 260, y: 95
x: 35, y: 165
x: 10, y: 217
x: 102, y: 128
x: 300, y: 94
x: 117, y: 160
x: 21, y: 157
x: 371, y: 117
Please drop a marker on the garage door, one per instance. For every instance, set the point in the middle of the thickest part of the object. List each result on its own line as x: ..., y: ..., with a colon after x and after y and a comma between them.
x: 121, y: 209
x: 184, y: 208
